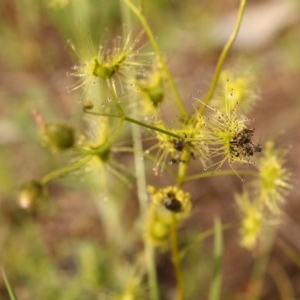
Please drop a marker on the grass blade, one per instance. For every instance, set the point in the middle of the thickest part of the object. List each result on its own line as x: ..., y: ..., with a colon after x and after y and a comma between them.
x: 11, y: 293
x: 215, y: 288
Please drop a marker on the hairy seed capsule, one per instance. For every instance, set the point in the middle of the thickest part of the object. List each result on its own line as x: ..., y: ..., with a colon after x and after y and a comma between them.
x: 32, y: 195
x: 57, y: 136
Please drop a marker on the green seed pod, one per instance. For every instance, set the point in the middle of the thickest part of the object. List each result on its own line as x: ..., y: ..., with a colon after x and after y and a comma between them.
x: 32, y: 195
x: 57, y: 136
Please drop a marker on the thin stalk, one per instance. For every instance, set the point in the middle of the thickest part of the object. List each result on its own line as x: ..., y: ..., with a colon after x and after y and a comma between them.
x: 224, y: 55
x: 66, y: 170
x: 142, y: 6
x: 259, y: 271
x: 10, y: 290
x: 112, y: 89
x: 219, y: 173
x: 137, y: 122
x: 140, y: 173
x: 176, y: 259
x: 182, y: 169
x: 142, y: 196
x: 129, y: 119
x: 178, y: 99
x: 215, y: 288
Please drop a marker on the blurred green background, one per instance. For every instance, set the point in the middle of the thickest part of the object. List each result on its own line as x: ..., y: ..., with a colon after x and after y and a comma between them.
x: 65, y: 251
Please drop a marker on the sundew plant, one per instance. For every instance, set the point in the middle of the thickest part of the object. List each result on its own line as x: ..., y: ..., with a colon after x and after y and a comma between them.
x: 131, y: 106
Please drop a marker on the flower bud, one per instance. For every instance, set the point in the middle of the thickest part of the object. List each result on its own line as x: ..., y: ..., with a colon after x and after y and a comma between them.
x: 32, y: 195
x: 153, y: 87
x: 57, y: 136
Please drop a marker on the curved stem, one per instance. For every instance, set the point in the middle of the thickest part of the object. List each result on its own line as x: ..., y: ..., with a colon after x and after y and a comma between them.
x: 140, y: 16
x: 176, y: 258
x: 63, y: 171
x: 224, y: 55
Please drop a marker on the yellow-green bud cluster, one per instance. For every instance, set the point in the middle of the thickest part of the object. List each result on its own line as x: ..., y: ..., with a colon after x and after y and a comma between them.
x: 236, y: 92
x: 190, y: 144
x: 165, y: 204
x: 274, y: 179
x: 260, y: 203
x: 172, y: 199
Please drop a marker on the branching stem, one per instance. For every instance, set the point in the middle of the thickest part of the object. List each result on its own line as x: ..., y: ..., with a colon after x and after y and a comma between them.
x: 66, y: 170
x: 223, y: 56
x: 140, y: 16
x: 176, y: 259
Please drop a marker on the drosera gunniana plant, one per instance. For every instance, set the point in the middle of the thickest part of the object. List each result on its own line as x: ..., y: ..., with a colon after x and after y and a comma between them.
x: 217, y: 135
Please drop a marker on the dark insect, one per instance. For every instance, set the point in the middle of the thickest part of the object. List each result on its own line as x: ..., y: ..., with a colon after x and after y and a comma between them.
x: 172, y: 204
x: 257, y: 148
x: 178, y: 144
x: 242, y: 144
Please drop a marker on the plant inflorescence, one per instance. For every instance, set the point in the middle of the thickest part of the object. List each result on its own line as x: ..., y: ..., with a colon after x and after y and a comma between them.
x: 123, y: 85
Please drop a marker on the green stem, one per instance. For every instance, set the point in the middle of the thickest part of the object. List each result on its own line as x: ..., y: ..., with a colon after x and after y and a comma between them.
x: 183, y: 168
x: 142, y: 6
x: 132, y: 120
x: 224, y: 55
x: 152, y: 127
x: 260, y: 267
x: 10, y: 290
x: 176, y: 258
x: 142, y: 196
x: 113, y: 93
x: 140, y: 173
x: 63, y: 171
x: 219, y: 173
x: 178, y: 99
x: 215, y: 287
